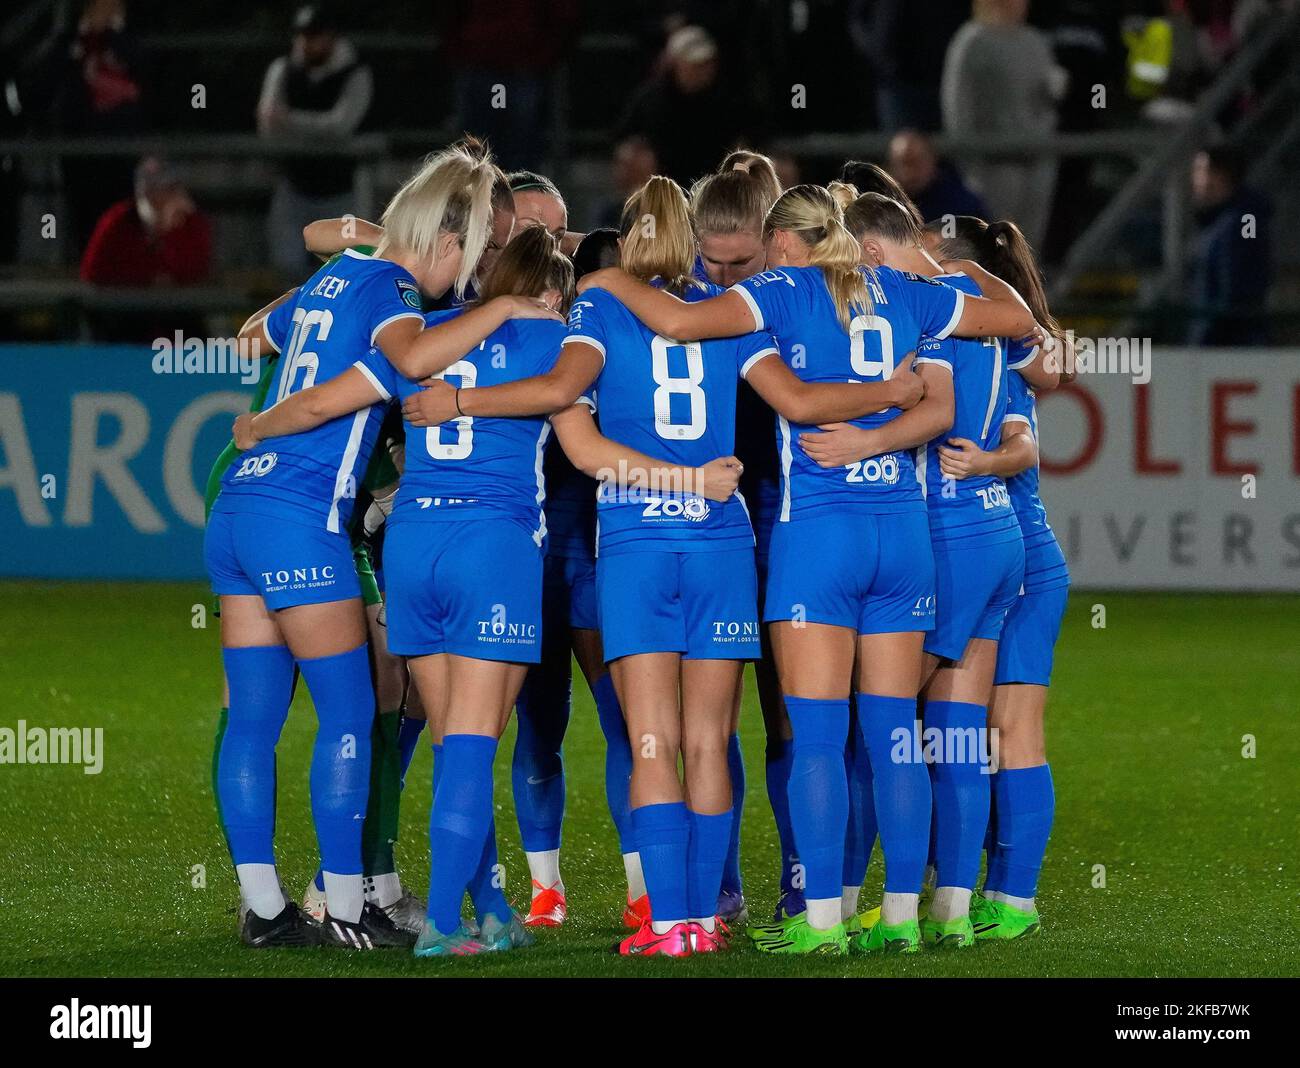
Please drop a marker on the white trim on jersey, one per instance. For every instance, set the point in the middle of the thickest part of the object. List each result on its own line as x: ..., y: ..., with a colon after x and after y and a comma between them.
x: 957, y: 309
x: 934, y: 360
x: 1033, y: 354
x: 1017, y: 418
x: 269, y: 339
x: 346, y: 465
x: 787, y: 458
x: 539, y: 535
x: 392, y: 319
x: 587, y: 401
x: 922, y: 463
x: 744, y: 371
x: 575, y: 339
x: 753, y: 304
x: 995, y: 390
x: 357, y: 255
x: 370, y: 377
x: 745, y: 505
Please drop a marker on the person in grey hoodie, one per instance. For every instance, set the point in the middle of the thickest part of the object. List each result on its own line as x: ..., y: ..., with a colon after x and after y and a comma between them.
x: 319, y: 92
x: 1000, y: 77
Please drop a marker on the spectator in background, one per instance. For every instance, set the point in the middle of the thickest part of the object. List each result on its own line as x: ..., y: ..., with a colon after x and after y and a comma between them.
x: 685, y: 113
x: 318, y: 93
x: 1232, y: 269
x: 156, y: 238
x: 933, y: 184
x: 1164, y: 63
x: 904, y: 42
x: 1086, y: 42
x: 507, y: 46
x: 634, y: 164
x: 88, y: 79
x: 1000, y: 78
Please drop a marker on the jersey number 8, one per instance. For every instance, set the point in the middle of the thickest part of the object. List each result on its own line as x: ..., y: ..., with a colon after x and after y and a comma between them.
x: 667, y: 386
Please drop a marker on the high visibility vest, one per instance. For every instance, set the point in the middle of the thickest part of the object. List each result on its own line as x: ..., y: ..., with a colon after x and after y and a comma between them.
x: 1150, y: 56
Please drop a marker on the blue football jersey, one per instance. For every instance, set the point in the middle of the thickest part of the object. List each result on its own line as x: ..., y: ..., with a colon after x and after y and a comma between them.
x: 331, y: 322
x: 570, y: 507
x: 1023, y: 488
x: 979, y: 381
x: 672, y: 401
x: 795, y: 305
x: 476, y: 465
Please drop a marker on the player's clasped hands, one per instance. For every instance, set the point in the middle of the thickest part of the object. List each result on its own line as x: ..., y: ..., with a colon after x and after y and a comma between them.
x: 243, y: 433
x: 911, y: 386
x: 717, y: 480
x: 961, y: 458
x: 433, y: 405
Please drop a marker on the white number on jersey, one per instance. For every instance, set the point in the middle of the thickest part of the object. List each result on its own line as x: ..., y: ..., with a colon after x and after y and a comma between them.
x: 295, y: 359
x: 464, y: 443
x: 687, y: 387
x: 882, y: 368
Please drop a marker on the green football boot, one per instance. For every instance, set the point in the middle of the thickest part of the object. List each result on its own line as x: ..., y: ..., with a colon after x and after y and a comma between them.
x: 802, y: 940
x: 998, y: 920
x: 881, y: 937
x: 778, y: 930
x: 956, y: 933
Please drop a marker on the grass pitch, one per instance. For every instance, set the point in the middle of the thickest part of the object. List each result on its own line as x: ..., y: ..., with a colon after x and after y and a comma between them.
x: 125, y: 872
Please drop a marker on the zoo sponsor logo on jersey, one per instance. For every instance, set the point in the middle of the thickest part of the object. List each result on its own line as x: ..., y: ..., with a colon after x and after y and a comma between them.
x: 257, y: 466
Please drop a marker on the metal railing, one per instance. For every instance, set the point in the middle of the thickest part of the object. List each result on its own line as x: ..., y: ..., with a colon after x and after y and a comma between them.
x: 1164, y: 171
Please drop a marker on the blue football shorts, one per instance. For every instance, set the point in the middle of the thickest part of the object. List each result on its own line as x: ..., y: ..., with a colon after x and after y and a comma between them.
x: 468, y: 587
x: 286, y: 563
x: 702, y: 604
x: 872, y: 572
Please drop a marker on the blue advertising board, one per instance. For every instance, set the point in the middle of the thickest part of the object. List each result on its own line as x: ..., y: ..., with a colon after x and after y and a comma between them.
x: 104, y: 453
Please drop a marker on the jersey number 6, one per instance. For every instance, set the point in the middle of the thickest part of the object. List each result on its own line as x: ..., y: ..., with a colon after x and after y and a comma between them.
x: 464, y: 443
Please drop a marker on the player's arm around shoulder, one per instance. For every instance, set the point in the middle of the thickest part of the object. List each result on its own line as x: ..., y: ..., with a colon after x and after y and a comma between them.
x: 418, y: 350
x: 726, y: 315
x: 307, y: 409
x: 608, y: 461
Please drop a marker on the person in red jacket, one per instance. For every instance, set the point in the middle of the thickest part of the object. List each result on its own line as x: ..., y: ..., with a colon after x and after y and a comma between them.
x: 157, y: 238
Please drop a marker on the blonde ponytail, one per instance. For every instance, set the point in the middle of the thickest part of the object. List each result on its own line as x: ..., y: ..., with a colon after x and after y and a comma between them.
x: 658, y: 235
x: 451, y: 193
x: 845, y: 193
x: 815, y: 216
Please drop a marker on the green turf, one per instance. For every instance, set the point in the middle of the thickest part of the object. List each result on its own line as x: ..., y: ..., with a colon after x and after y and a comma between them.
x: 1145, y: 732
